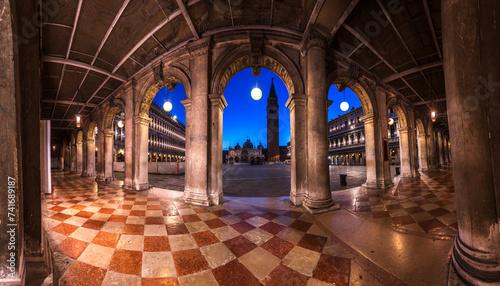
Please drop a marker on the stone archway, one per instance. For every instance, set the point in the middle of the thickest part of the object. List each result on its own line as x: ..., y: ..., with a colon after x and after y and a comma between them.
x: 170, y: 77
x: 373, y: 141
x: 407, y: 138
x: 115, y: 107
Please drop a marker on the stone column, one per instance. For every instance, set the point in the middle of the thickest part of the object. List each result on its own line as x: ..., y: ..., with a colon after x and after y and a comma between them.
x: 108, y: 155
x: 45, y: 175
x: 471, y: 60
x: 72, y: 156
x: 446, y: 151
x: 187, y: 162
x: 422, y: 152
x: 79, y: 157
x: 90, y: 166
x: 318, y: 198
x: 100, y: 176
x: 129, y: 91
x: 197, y: 188
x: 412, y: 140
x: 404, y: 151
x: 431, y: 147
x: 297, y: 105
x: 372, y: 181
x: 384, y: 179
x: 440, y: 148
x: 217, y: 105
x: 62, y: 152
x: 141, y: 128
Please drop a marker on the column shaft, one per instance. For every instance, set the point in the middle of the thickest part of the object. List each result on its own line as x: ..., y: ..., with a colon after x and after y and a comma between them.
x: 79, y: 158
x: 318, y: 198
x: 218, y: 103
x: 422, y: 152
x: 371, y: 152
x: 108, y: 156
x: 141, y: 136
x: 471, y: 28
x: 297, y: 105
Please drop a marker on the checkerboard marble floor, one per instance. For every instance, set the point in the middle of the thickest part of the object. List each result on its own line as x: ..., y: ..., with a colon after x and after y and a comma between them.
x: 423, y: 205
x: 114, y: 237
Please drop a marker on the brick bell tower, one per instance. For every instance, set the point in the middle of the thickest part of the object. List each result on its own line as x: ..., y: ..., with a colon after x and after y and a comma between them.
x: 273, y: 134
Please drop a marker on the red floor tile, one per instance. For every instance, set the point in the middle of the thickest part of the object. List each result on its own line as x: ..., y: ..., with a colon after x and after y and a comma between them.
x: 83, y: 274
x: 431, y: 225
x: 137, y: 213
x: 403, y: 220
x: 106, y: 211
x: 155, y: 220
x: 240, y: 245
x: 269, y: 215
x: 125, y: 207
x: 118, y: 218
x: 137, y: 229
x: 439, y: 212
x: 191, y: 218
x: 242, y: 227
x: 380, y: 214
x: 414, y: 210
x: 205, y: 238
x: 126, y: 262
x: 106, y: 239
x: 244, y: 215
x: 156, y: 243
x: 312, y: 242
x: 272, y: 227
x: 60, y: 217
x: 278, y: 247
x: 333, y: 270
x: 65, y: 229
x: 301, y: 225
x: 94, y: 224
x: 159, y: 282
x: 84, y: 214
x: 234, y: 274
x: 214, y: 223
x: 72, y: 247
x: 221, y: 213
x: 282, y: 275
x: 292, y: 214
x: 57, y: 209
x: 78, y: 207
x: 179, y: 228
x: 189, y: 262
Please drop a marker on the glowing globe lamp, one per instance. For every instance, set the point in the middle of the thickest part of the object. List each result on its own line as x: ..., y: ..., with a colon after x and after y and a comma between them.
x: 120, y: 124
x: 433, y: 116
x: 167, y: 106
x: 391, y: 121
x: 344, y: 106
x: 256, y: 93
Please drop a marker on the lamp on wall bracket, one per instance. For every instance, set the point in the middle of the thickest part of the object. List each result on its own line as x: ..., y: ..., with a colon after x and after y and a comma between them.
x: 78, y: 117
x: 344, y: 106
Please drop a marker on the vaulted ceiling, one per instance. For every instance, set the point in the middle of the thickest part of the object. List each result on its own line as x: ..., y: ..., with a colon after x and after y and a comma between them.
x: 91, y: 47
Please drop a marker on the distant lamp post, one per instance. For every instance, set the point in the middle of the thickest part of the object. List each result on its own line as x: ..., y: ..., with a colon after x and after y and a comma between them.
x: 391, y: 121
x: 256, y: 92
x: 344, y: 106
x: 120, y: 124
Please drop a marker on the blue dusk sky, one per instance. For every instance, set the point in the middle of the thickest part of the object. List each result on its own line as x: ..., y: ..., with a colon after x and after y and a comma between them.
x: 246, y: 118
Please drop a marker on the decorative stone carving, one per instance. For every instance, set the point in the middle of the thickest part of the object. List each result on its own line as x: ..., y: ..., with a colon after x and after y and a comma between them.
x: 267, y: 62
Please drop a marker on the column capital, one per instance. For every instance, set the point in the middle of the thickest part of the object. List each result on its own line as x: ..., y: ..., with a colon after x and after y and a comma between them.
x: 403, y: 130
x: 143, y: 120
x: 317, y: 38
x: 107, y: 133
x: 369, y: 118
x: 187, y: 104
x: 217, y: 99
x: 200, y: 47
x: 296, y: 99
x: 129, y: 85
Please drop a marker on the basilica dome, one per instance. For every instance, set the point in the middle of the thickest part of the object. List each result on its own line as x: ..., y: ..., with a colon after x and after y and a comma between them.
x: 248, y: 144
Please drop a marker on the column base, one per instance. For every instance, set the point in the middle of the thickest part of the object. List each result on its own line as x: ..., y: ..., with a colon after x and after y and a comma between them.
x: 297, y: 198
x: 319, y: 206
x: 217, y: 198
x: 191, y: 197
x: 136, y: 187
x: 86, y: 175
x: 109, y: 179
x: 386, y: 183
x: 100, y: 178
x: 371, y: 185
x: 474, y: 266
